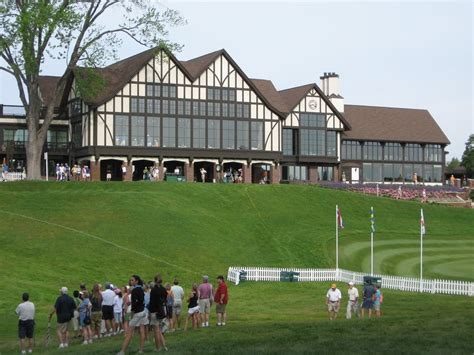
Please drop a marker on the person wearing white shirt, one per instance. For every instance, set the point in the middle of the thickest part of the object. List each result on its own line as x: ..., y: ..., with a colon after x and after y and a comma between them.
x: 118, y: 306
x: 352, y: 303
x: 333, y: 300
x: 26, y: 323
x: 178, y: 297
x: 108, y: 298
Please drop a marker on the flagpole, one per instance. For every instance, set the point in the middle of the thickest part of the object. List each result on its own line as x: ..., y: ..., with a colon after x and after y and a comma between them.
x: 372, y: 253
x: 421, y: 253
x: 372, y: 242
x: 337, y: 239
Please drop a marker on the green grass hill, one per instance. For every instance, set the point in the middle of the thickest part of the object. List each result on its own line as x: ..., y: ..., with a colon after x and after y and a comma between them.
x: 56, y: 234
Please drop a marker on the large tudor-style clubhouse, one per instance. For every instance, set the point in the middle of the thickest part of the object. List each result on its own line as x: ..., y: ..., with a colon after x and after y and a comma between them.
x: 154, y: 110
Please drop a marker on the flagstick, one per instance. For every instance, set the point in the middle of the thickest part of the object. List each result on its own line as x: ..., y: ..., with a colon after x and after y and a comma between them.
x: 421, y: 255
x: 337, y: 240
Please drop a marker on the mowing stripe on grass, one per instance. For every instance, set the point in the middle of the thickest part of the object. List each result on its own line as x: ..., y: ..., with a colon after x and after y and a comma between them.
x: 99, y: 239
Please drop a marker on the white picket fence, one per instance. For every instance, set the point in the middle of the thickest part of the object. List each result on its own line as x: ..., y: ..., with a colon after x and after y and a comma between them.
x: 13, y: 176
x: 390, y: 282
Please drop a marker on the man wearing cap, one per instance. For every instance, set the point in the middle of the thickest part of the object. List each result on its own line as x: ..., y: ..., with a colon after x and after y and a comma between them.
x: 108, y: 298
x: 333, y: 300
x: 64, y: 309
x: 26, y: 323
x: 205, y: 296
x: 352, y: 305
x: 221, y: 299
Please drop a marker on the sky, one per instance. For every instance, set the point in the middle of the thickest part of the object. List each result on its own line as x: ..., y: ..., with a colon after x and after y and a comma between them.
x: 396, y: 54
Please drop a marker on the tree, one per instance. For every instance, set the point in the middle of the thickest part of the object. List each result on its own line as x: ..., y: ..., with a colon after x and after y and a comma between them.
x: 468, y: 157
x: 453, y: 164
x: 35, y: 30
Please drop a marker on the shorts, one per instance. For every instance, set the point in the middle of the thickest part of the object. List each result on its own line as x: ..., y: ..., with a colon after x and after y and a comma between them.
x: 154, y: 320
x: 204, y: 305
x: 26, y: 329
x: 75, y: 321
x: 169, y: 311
x: 107, y: 312
x: 377, y: 307
x: 127, y: 316
x: 118, y: 317
x: 177, y: 308
x: 220, y: 308
x: 367, y: 304
x: 84, y: 320
x: 63, y: 327
x: 139, y: 319
x: 333, y: 307
x: 193, y: 310
x: 96, y: 320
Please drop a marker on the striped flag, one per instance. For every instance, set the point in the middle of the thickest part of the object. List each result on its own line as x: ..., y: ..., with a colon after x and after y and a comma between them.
x: 339, y: 218
x: 372, y: 219
x: 422, y: 223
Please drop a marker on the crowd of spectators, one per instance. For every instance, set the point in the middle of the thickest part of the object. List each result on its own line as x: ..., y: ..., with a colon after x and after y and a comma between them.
x: 401, y: 192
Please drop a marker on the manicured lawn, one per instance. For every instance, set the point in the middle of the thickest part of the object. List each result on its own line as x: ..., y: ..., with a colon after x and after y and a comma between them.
x: 63, y: 234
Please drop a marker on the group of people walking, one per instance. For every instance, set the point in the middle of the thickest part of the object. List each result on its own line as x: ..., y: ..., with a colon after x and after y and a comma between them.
x: 147, y: 307
x: 75, y: 173
x: 372, y: 299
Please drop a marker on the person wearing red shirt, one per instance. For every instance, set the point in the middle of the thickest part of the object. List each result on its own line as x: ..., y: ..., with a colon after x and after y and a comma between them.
x: 221, y: 298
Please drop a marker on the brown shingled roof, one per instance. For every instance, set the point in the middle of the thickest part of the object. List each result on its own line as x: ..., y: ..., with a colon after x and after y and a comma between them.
x: 392, y: 124
x: 293, y: 96
x: 118, y: 74
x: 268, y: 90
x: 47, y: 85
x: 196, y: 66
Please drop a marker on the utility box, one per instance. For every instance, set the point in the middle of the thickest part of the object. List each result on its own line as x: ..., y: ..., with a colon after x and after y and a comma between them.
x: 289, y: 276
x: 373, y: 280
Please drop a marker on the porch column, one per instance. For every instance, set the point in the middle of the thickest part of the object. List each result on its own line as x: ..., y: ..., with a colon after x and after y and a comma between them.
x: 95, y: 170
x: 129, y: 171
x: 247, y: 173
x: 313, y: 174
x: 276, y: 174
x: 189, y: 171
x: 337, y: 175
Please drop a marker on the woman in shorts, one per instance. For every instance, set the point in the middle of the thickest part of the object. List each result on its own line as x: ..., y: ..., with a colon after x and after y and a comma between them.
x: 96, y: 310
x: 378, y: 299
x: 193, y: 308
x: 85, y: 317
x: 127, y: 307
x: 169, y: 305
x: 118, y: 306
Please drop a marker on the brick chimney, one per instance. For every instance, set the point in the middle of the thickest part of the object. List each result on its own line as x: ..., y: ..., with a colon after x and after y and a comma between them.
x: 330, y: 85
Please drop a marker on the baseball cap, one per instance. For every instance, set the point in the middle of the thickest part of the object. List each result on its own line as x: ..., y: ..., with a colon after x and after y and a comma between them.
x: 351, y: 283
x: 63, y: 289
x: 333, y: 286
